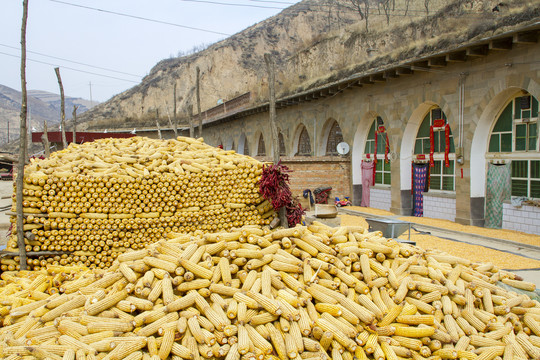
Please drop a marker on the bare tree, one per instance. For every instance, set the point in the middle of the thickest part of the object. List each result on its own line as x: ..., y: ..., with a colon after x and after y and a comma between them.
x: 275, y: 136
x: 175, y: 117
x: 22, y: 145
x: 362, y: 7
x: 407, y: 3
x: 386, y: 5
x: 426, y: 5
x: 199, y: 100
x: 62, y: 107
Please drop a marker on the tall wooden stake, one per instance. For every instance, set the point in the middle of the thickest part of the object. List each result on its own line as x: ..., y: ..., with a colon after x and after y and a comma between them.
x: 199, y: 101
x: 157, y: 124
x: 74, y: 115
x: 62, y: 107
x: 45, y: 140
x: 273, y: 126
x: 175, y: 118
x: 22, y: 145
x: 191, y: 127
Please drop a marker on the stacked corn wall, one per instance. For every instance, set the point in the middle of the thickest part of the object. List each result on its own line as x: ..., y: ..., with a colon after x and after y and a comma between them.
x: 96, y: 200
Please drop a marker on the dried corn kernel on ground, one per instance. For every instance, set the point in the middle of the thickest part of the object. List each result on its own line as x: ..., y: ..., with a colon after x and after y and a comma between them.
x: 510, y: 235
x: 476, y: 253
x: 303, y: 293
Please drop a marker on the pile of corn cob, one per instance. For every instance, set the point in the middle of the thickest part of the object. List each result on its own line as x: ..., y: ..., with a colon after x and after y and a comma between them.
x: 302, y: 293
x: 95, y: 200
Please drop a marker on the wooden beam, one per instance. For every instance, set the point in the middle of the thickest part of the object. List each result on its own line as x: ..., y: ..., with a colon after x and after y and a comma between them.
x: 366, y: 81
x: 501, y: 44
x: 419, y: 68
x: 460, y: 56
x: 377, y: 78
x: 390, y: 74
x: 404, y: 71
x: 439, y: 61
x: 478, y: 51
x: 356, y: 83
x: 529, y: 37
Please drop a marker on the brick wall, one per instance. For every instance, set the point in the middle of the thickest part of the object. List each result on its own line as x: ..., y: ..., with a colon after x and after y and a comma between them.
x: 525, y: 218
x: 380, y: 198
x: 439, y: 207
x: 313, y: 172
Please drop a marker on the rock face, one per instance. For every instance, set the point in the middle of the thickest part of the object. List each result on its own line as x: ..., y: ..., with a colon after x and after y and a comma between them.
x: 312, y: 42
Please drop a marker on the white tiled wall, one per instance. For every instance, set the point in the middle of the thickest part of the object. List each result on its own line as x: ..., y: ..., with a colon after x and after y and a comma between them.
x: 380, y: 198
x: 525, y: 218
x: 439, y: 207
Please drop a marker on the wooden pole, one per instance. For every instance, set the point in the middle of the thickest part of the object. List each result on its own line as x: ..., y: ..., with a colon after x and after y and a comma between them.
x: 157, y: 124
x: 45, y: 140
x: 199, y: 101
x: 175, y: 117
x: 22, y: 145
x: 275, y: 137
x: 74, y: 115
x: 62, y: 109
x: 191, y: 127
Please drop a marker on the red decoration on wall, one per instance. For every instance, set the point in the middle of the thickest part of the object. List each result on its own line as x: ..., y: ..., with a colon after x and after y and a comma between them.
x: 431, y: 147
x: 375, y: 156
x: 386, y: 149
x: 438, y: 123
x: 420, y: 157
x: 446, y: 145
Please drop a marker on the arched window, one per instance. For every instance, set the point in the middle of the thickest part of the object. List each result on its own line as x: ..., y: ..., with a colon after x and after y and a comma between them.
x: 261, y: 150
x: 442, y: 177
x: 304, y: 144
x: 246, y: 147
x: 282, y: 151
x: 334, y: 138
x: 515, y: 137
x: 233, y: 146
x: 382, y: 174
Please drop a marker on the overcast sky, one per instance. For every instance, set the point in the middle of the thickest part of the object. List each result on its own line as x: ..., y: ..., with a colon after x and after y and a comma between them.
x: 118, y: 45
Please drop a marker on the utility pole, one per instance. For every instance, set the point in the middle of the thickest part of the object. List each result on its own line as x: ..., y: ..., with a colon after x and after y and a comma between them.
x: 199, y: 101
x: 275, y: 137
x: 62, y: 107
x: 91, y: 102
x: 22, y: 145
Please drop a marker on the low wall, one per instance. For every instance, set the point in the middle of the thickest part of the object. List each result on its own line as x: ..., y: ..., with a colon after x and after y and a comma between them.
x: 380, y: 198
x: 440, y: 206
x: 525, y: 218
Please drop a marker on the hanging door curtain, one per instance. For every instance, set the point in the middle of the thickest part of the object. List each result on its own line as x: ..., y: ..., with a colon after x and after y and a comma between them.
x: 420, y: 184
x: 368, y: 169
x: 499, y: 185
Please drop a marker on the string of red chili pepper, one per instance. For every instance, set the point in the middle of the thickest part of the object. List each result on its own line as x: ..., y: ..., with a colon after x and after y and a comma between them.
x: 274, y: 185
x: 294, y: 213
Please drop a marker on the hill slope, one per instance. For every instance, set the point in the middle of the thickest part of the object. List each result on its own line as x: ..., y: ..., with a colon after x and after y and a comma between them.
x: 313, y: 42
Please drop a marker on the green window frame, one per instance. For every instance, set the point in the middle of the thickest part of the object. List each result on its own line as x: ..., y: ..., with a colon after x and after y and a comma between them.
x: 441, y: 177
x: 516, y: 128
x: 526, y: 178
x: 383, y: 174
